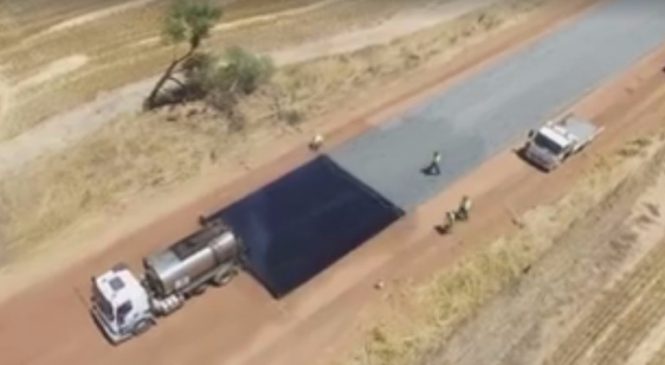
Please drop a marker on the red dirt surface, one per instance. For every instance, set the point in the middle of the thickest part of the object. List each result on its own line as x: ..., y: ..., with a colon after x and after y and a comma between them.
x: 241, y: 324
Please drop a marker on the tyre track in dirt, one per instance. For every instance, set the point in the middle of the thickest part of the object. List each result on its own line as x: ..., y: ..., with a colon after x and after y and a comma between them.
x: 659, y: 357
x: 634, y: 327
x: 4, y: 97
x: 616, y: 301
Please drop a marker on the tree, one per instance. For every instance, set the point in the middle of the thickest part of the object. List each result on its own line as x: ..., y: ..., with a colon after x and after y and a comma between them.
x: 188, y: 20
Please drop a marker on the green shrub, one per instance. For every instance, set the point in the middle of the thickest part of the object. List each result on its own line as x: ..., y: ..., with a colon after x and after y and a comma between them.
x: 243, y: 71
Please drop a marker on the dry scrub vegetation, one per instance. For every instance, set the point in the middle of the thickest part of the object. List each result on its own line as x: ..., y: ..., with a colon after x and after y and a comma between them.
x: 154, y: 150
x: 416, y: 320
x: 123, y: 47
x: 120, y: 47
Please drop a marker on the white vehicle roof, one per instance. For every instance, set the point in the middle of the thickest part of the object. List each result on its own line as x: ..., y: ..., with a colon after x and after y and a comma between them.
x: 119, y: 285
x: 569, y: 129
x: 555, y: 135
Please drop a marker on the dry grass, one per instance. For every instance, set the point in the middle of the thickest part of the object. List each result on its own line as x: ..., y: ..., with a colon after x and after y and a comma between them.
x: 109, y: 168
x: 113, y: 45
x: 118, y: 53
x: 134, y: 156
x: 418, y: 319
x: 635, y: 147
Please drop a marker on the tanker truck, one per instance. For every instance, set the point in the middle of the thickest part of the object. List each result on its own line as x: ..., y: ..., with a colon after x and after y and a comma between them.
x: 125, y: 305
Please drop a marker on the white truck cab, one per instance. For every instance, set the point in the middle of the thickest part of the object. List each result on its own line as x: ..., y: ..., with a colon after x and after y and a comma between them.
x: 120, y: 304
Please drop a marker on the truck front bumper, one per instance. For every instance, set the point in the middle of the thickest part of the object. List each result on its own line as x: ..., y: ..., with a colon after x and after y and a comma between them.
x: 113, y: 336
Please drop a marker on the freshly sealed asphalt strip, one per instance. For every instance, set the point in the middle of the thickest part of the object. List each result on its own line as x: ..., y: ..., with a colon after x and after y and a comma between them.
x: 298, y: 225
x: 484, y: 114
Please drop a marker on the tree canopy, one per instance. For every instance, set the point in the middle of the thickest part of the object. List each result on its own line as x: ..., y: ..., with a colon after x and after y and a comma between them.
x: 190, y: 20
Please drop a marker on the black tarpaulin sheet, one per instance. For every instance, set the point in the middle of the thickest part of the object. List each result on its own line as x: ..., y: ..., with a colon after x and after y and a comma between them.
x: 303, y: 222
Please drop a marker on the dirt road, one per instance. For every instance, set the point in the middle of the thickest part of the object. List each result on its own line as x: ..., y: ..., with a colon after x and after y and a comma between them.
x: 240, y: 323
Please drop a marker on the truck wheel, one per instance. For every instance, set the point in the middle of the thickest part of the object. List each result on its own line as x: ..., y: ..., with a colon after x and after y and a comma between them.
x: 142, y: 327
x: 199, y: 290
x: 223, y: 279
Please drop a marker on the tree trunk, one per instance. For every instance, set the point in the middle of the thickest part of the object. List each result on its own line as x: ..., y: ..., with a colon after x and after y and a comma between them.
x: 149, y: 102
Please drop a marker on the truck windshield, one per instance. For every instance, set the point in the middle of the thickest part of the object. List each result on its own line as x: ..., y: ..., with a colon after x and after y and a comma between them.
x: 546, y: 143
x: 103, y: 304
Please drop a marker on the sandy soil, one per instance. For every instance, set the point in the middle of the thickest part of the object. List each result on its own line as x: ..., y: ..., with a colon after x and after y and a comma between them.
x: 392, y: 28
x: 55, y: 69
x: 95, y: 15
x: 273, y: 17
x: 251, y: 328
x: 4, y: 96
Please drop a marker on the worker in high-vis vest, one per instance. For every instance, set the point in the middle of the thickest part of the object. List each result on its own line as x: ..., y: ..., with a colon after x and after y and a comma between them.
x: 434, y: 166
x: 464, y: 208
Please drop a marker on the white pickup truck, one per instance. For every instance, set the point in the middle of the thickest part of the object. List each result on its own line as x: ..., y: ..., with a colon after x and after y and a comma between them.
x: 549, y: 146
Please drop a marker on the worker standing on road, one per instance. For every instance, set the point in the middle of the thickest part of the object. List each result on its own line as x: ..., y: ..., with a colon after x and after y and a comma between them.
x: 464, y: 208
x: 316, y: 142
x: 434, y: 166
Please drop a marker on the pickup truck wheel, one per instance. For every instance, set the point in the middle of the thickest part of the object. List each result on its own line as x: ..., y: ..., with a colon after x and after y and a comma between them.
x: 223, y: 279
x: 142, y: 327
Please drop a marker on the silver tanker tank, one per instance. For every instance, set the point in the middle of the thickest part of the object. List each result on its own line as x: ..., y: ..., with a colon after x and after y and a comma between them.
x: 211, y: 254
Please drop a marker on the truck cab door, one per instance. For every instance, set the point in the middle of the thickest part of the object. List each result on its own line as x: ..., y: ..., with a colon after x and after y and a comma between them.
x: 123, y: 315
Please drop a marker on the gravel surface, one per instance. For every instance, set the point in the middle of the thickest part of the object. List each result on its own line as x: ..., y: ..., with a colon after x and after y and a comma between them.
x: 484, y: 114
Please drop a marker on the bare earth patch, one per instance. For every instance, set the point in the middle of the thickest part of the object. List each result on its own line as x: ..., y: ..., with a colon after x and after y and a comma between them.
x: 4, y: 97
x: 386, y: 31
x: 95, y: 15
x: 54, y: 70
